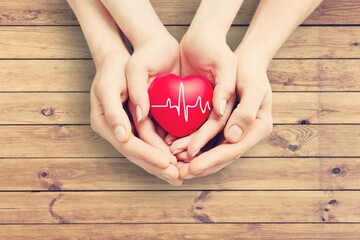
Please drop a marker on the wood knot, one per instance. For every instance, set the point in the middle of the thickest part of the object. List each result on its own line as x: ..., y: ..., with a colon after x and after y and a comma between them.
x: 44, y: 174
x: 204, y: 218
x: 54, y: 187
x: 32, y: 14
x: 203, y: 196
x: 336, y: 170
x: 356, y: 44
x: 47, y: 112
x: 304, y: 121
x: 333, y: 202
x: 293, y: 148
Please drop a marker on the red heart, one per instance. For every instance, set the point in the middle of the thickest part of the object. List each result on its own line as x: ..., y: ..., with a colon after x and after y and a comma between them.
x: 180, y: 105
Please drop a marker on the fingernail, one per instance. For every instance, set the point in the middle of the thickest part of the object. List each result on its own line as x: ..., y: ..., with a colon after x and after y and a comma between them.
x: 173, y: 160
x: 189, y: 176
x: 120, y: 133
x: 175, y: 152
x: 235, y: 133
x: 194, y: 154
x: 169, y: 143
x: 138, y: 113
x: 223, y: 107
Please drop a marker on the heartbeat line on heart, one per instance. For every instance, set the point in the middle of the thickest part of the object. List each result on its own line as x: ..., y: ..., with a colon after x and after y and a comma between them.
x: 181, y: 99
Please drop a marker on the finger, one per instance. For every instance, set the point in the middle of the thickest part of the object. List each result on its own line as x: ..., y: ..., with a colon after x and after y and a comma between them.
x: 180, y: 144
x: 138, y: 79
x: 184, y: 156
x: 225, y: 79
x: 131, y: 147
x: 228, y: 152
x: 169, y: 139
x: 184, y: 172
x: 209, y: 129
x: 169, y: 174
x: 110, y: 98
x: 244, y: 115
x: 147, y: 132
x: 160, y: 131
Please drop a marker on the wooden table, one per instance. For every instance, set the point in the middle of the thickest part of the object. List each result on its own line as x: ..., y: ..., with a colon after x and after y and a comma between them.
x: 301, y: 182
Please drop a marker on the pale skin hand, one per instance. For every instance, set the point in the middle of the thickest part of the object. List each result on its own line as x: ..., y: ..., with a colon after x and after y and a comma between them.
x: 251, y: 121
x: 109, y: 92
x: 155, y: 52
x: 204, y: 52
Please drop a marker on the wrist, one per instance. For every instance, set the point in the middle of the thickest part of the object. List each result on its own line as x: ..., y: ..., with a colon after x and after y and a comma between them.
x: 104, y: 52
x: 139, y: 37
x: 252, y: 54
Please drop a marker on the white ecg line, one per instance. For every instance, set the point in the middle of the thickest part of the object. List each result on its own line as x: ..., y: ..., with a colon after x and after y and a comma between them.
x: 186, y: 107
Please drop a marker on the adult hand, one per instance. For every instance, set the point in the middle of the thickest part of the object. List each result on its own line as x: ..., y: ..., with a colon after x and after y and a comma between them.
x: 109, y: 92
x: 249, y: 123
x: 110, y: 121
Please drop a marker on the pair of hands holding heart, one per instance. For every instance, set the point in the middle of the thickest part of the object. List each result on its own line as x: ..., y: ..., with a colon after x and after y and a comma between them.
x: 226, y: 132
x: 119, y: 94
x: 230, y: 133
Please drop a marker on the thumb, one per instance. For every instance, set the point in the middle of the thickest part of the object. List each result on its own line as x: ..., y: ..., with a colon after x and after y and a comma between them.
x: 137, y: 80
x: 244, y: 115
x: 224, y: 88
x: 115, y: 114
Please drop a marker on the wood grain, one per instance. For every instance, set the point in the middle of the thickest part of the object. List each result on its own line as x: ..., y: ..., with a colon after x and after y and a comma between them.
x: 57, y: 12
x: 45, y: 108
x: 46, y: 75
x: 314, y: 75
x: 120, y: 174
x: 195, y: 207
x: 284, y: 75
x: 68, y: 42
x: 82, y: 141
x: 182, y: 231
x: 74, y: 108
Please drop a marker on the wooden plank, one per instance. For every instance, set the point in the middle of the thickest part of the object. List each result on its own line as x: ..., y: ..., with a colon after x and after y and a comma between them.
x: 68, y: 42
x: 314, y: 75
x: 180, y: 207
x: 46, y: 75
x: 74, y: 108
x: 45, y: 108
x: 81, y: 141
x: 284, y: 75
x: 181, y: 231
x: 120, y: 174
x: 57, y: 12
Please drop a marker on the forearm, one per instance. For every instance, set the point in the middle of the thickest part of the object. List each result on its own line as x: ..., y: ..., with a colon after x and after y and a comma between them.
x: 271, y: 25
x: 136, y: 18
x: 215, y: 16
x: 99, y: 28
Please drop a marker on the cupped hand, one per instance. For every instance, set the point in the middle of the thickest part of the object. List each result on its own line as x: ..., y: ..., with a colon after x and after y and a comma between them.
x: 110, y: 120
x: 206, y: 53
x: 157, y: 55
x: 249, y: 123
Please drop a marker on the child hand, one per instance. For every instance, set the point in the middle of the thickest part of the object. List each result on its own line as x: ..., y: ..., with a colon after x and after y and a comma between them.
x: 206, y: 53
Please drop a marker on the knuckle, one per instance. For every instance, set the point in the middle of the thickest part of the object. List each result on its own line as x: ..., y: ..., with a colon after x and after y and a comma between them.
x: 247, y: 117
x: 112, y: 119
x: 93, y: 124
